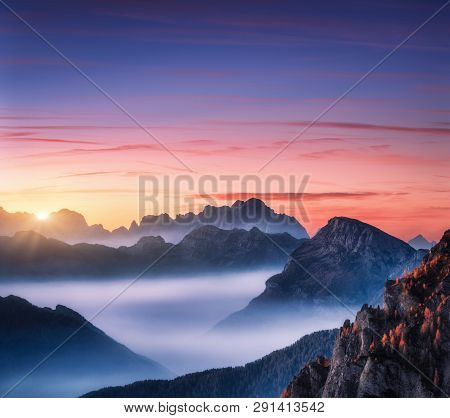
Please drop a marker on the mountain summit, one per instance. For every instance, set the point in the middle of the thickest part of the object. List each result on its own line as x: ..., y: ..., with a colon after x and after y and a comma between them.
x: 421, y: 243
x: 347, y: 260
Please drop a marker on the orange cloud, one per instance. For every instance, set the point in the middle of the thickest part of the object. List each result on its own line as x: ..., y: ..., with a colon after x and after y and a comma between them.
x: 373, y: 155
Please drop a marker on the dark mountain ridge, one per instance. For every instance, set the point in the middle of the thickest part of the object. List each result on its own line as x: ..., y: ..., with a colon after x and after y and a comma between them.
x: 402, y: 350
x: 261, y: 378
x: 29, y: 254
x: 87, y: 360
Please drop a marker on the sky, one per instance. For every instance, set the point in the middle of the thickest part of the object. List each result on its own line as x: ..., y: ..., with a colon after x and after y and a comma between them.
x: 225, y: 86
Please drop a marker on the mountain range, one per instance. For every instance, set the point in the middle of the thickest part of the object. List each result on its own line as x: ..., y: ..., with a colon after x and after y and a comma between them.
x: 88, y: 360
x: 71, y: 227
x: 31, y: 255
x: 401, y: 350
x: 346, y: 261
x: 265, y: 377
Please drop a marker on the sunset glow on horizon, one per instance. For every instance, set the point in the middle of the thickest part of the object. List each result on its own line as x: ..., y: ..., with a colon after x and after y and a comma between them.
x: 225, y: 91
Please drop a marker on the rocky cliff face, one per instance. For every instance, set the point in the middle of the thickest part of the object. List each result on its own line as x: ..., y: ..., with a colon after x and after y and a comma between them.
x: 401, y: 350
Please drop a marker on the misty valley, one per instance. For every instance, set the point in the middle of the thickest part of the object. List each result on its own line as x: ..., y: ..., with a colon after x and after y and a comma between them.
x: 171, y: 320
x: 228, y: 310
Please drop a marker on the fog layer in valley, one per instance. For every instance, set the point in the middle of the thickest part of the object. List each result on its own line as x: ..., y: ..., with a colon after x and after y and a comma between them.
x: 169, y: 319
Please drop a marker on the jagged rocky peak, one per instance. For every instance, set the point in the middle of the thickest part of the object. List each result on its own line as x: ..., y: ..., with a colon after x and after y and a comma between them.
x: 241, y: 214
x: 352, y: 258
x: 70, y: 217
x: 163, y: 218
x: 238, y: 203
x: 399, y: 350
x: 354, y: 235
x: 185, y: 218
x: 253, y: 203
x: 133, y: 226
x: 149, y: 242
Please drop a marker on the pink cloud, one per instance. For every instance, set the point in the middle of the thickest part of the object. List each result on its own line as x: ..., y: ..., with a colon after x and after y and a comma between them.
x: 17, y: 138
x: 341, y: 125
x: 374, y: 154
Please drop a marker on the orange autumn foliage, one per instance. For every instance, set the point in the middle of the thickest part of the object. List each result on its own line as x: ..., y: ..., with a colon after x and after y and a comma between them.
x: 345, y: 331
x: 398, y: 329
x: 424, y: 327
x: 437, y: 339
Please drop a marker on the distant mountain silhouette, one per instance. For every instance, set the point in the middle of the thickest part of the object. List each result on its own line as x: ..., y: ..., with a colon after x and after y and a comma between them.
x: 402, y: 350
x: 210, y: 247
x: 420, y: 243
x: 88, y: 360
x: 350, y: 258
x: 30, y: 255
x: 71, y: 227
x: 265, y: 377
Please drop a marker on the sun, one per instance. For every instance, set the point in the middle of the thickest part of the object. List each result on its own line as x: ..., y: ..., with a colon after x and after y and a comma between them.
x: 42, y: 216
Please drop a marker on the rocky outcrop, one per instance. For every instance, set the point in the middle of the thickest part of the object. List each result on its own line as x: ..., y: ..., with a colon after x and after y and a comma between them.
x: 309, y: 382
x: 400, y: 350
